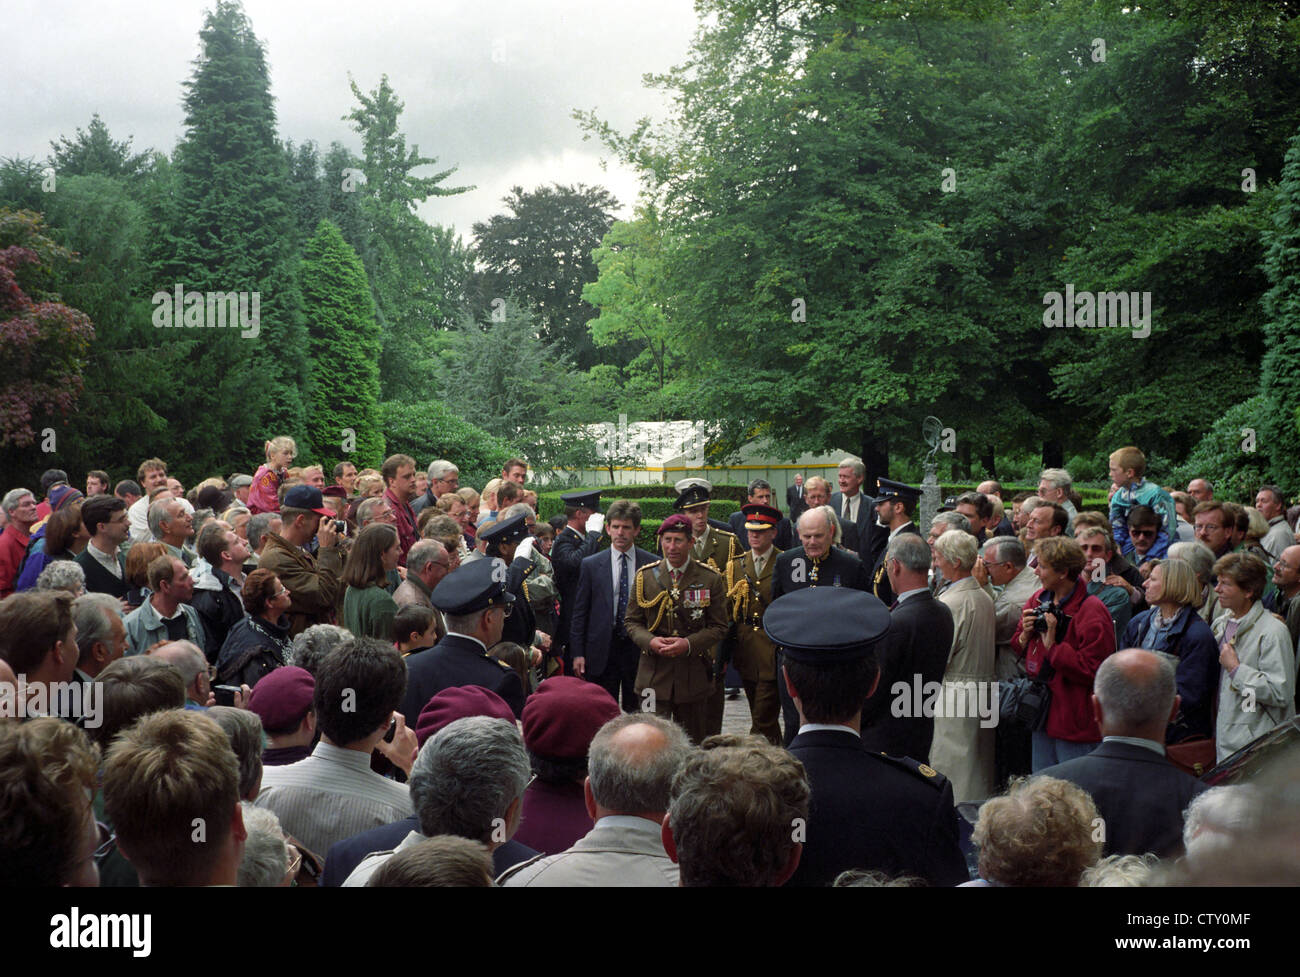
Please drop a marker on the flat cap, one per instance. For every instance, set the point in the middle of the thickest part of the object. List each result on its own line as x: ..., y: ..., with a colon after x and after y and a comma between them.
x: 240, y: 481
x: 459, y: 702
x: 585, y: 500
x: 473, y: 587
x: 282, y: 697
x: 825, y: 625
x: 563, y: 715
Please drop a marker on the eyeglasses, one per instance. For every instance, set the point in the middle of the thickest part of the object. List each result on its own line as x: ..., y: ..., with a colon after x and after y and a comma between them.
x: 107, y: 841
x: 283, y: 593
x: 1142, y: 532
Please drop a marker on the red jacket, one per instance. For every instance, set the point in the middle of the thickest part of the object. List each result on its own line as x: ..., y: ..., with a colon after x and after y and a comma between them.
x: 407, y: 534
x: 1088, y: 641
x: 13, y: 546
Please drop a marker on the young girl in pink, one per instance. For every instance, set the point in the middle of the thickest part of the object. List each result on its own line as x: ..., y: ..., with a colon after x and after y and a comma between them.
x: 264, y: 493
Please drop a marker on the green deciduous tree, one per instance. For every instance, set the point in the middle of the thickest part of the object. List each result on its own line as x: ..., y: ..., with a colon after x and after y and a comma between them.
x: 427, y: 430
x: 1280, y: 382
x: 344, y: 348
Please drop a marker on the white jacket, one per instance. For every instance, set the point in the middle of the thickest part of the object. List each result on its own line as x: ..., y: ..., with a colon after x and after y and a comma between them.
x: 1261, y: 695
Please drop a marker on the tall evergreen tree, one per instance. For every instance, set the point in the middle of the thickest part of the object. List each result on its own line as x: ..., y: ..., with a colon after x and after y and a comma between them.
x: 232, y: 230
x: 94, y: 151
x: 344, y: 349
x: 1280, y: 383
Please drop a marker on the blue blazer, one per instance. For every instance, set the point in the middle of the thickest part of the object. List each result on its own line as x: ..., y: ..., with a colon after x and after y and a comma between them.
x: 591, y: 626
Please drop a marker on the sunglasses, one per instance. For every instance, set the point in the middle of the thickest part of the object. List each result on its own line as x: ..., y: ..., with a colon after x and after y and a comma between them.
x: 1142, y: 532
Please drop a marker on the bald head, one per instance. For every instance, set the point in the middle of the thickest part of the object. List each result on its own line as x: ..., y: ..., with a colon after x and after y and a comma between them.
x: 1135, y: 694
x: 185, y: 656
x: 631, y: 764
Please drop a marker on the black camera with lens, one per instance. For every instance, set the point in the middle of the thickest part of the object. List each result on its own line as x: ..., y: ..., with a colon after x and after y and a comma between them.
x: 1040, y: 619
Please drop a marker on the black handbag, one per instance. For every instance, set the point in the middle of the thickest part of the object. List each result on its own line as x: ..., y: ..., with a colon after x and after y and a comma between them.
x: 1025, y: 701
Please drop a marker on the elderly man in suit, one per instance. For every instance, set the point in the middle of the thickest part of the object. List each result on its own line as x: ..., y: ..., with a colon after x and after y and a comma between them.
x: 816, y: 562
x: 915, y: 652
x: 749, y: 590
x: 630, y: 768
x: 598, y: 640
x: 869, y: 811
x: 963, y: 745
x: 677, y: 616
x: 1140, y: 795
x: 855, y: 510
x: 794, y: 500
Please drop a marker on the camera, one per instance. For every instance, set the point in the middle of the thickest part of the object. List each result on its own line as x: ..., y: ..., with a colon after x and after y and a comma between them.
x: 1040, y: 619
x: 225, y: 694
x: 340, y: 527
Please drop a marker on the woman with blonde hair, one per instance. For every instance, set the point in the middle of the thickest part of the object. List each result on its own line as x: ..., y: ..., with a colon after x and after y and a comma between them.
x: 1042, y: 832
x: 1173, y: 628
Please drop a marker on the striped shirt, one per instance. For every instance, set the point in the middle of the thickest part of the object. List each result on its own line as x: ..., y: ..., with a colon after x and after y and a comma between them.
x: 331, y: 795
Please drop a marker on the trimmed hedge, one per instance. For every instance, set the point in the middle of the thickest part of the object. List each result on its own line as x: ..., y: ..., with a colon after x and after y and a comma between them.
x: 652, y: 507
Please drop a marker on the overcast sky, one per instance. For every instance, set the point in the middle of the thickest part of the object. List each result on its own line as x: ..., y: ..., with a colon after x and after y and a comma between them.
x: 488, y: 85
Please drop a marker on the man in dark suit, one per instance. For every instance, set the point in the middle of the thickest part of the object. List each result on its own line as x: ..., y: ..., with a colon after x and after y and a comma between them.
x: 760, y: 493
x: 815, y: 563
x: 475, y: 602
x: 579, y: 539
x: 856, y: 511
x: 106, y: 520
x: 914, y: 652
x: 1140, y: 795
x: 868, y: 811
x: 895, y: 503
x: 794, y: 500
x: 599, y: 644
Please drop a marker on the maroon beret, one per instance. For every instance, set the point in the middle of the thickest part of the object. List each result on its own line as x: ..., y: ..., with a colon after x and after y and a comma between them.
x: 563, y: 715
x: 459, y: 702
x: 334, y: 492
x: 282, y: 697
x: 677, y: 523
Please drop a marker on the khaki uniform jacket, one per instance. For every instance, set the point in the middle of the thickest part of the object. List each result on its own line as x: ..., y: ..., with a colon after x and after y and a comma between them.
x: 314, y: 587
x: 747, y: 599
x: 962, y: 749
x: 696, y: 610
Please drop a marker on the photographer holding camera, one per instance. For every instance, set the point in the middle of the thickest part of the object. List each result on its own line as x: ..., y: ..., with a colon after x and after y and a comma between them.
x: 1064, y: 635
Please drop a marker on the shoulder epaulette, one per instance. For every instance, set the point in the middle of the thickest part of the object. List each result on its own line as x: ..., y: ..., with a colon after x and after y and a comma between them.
x: 921, y: 771
x: 649, y: 566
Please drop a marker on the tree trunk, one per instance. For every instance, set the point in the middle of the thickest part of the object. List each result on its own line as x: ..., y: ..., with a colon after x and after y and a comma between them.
x: 875, y: 456
x: 1053, y: 454
x: 990, y: 465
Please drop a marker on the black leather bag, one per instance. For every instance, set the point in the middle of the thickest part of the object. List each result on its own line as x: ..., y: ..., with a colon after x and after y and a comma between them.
x: 1024, y: 702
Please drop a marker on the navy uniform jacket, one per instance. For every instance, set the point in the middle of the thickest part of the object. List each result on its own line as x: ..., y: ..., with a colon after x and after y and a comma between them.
x: 592, y: 625
x: 783, y: 540
x: 453, y: 661
x: 1140, y: 796
x: 522, y: 622
x: 879, y: 577
x: 874, y: 812
x: 839, y: 568
x: 567, y: 553
x: 344, y: 856
x: 918, y: 644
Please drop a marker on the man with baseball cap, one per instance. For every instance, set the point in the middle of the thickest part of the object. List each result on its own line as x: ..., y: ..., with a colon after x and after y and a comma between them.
x: 869, y: 811
x: 313, y: 582
x: 475, y: 602
x: 677, y: 617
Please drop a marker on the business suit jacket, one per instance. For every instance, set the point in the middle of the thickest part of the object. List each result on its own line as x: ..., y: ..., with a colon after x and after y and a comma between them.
x: 457, y: 660
x: 1139, y: 794
x: 865, y: 530
x: 783, y: 539
x: 918, y: 643
x: 570, y: 549
x: 591, y: 626
x: 880, y: 585
x: 795, y: 502
x: 748, y: 596
x: 701, y: 617
x: 99, y: 580
x: 344, y: 856
x: 870, y: 811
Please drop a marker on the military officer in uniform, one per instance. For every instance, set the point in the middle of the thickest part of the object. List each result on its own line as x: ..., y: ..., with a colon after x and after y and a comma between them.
x: 749, y: 592
x: 579, y: 539
x: 868, y: 811
x: 714, y: 546
x: 475, y: 602
x: 895, y: 503
x: 814, y: 563
x: 677, y: 617
x: 511, y: 542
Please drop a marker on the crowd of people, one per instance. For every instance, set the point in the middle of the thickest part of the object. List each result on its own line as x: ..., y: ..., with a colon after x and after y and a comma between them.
x: 396, y: 680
